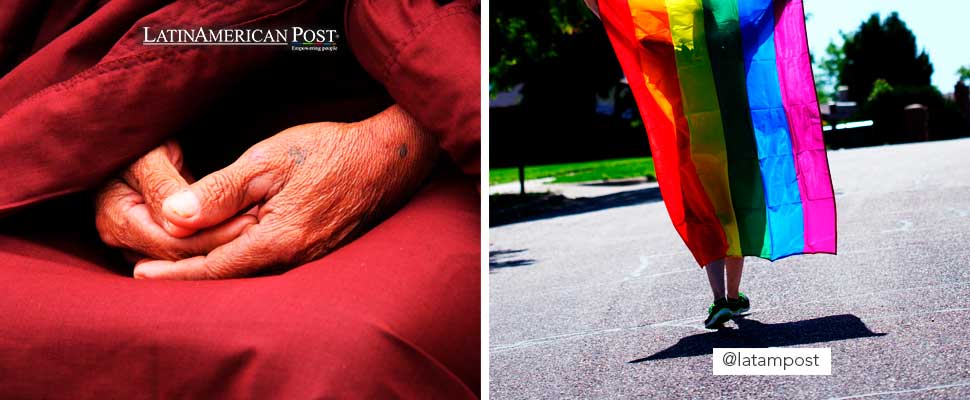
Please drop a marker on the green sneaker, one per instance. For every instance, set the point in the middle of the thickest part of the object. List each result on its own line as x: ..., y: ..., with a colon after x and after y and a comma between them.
x: 718, y: 314
x: 740, y: 306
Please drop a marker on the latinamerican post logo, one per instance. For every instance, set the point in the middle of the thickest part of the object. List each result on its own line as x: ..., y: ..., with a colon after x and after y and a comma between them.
x: 296, y: 37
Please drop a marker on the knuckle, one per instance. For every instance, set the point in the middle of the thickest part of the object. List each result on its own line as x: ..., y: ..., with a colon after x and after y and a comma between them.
x: 174, y: 152
x: 160, y: 187
x: 297, y: 245
x: 106, y: 233
x: 278, y: 247
x: 265, y: 157
x: 289, y: 236
x: 212, y: 272
x: 261, y: 158
x: 141, y: 169
x: 223, y: 269
x: 219, y: 186
x: 108, y: 227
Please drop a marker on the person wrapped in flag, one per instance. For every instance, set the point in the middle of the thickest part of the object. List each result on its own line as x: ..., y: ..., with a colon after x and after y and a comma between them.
x: 727, y: 96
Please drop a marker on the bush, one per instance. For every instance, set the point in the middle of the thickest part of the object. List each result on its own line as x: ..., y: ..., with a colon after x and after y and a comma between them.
x: 886, y: 108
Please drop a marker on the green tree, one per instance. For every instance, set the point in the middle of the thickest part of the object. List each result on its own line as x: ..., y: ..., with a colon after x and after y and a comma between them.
x: 827, y: 71
x: 557, y: 48
x: 880, y: 88
x: 559, y: 51
x: 964, y: 73
x: 882, y: 49
x: 524, y: 36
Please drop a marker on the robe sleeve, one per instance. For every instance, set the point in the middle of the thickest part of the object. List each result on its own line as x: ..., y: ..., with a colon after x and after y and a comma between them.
x: 427, y: 56
x: 94, y: 98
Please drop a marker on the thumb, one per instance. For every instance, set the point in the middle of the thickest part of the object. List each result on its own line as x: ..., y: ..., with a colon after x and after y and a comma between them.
x: 219, y: 196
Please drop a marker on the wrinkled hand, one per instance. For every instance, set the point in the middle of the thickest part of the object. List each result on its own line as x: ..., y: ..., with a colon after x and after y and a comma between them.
x: 315, y: 186
x: 127, y: 210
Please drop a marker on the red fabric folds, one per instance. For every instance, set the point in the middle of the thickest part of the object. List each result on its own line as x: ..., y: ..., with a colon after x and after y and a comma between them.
x: 94, y: 98
x: 394, y: 314
x: 427, y: 56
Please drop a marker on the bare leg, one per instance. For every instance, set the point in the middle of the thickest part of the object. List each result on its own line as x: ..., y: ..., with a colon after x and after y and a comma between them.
x: 715, y: 275
x: 734, y: 266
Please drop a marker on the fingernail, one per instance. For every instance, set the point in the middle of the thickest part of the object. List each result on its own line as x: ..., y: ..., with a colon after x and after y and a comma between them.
x: 183, y: 204
x: 145, y: 270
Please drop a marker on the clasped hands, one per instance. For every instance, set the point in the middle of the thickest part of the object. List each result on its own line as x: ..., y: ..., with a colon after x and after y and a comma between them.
x: 287, y: 200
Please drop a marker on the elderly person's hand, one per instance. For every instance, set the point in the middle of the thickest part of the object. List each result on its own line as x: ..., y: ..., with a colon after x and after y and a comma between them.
x: 127, y: 211
x: 315, y: 186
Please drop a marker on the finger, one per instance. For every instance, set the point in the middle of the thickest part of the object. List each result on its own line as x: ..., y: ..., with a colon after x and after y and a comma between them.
x: 125, y: 222
x: 174, y: 153
x: 112, y: 202
x: 185, y: 270
x: 178, y: 160
x: 251, y: 252
x: 157, y: 175
x: 150, y: 239
x: 114, y: 192
x: 207, y: 240
x: 220, y: 195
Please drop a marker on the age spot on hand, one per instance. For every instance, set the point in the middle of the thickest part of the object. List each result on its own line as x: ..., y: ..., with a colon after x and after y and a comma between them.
x: 297, y: 154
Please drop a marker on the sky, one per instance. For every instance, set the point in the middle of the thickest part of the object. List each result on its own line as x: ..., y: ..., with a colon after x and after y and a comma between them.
x: 942, y: 28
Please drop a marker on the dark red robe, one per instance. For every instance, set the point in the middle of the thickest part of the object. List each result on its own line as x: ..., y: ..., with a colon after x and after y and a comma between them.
x: 395, y: 312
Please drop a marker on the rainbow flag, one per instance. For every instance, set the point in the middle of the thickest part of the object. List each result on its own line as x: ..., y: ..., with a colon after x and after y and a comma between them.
x: 726, y: 92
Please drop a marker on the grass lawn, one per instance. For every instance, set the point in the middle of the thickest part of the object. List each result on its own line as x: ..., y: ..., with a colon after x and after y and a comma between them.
x: 579, y: 172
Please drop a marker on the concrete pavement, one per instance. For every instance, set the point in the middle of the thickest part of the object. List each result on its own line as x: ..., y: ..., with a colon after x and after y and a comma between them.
x: 609, y: 303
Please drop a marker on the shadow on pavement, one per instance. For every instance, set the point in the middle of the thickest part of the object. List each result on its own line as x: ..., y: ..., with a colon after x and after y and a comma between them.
x: 551, y: 206
x: 507, y: 258
x: 752, y: 333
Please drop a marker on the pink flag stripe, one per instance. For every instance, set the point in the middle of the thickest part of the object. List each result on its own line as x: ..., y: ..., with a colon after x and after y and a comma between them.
x: 801, y: 106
